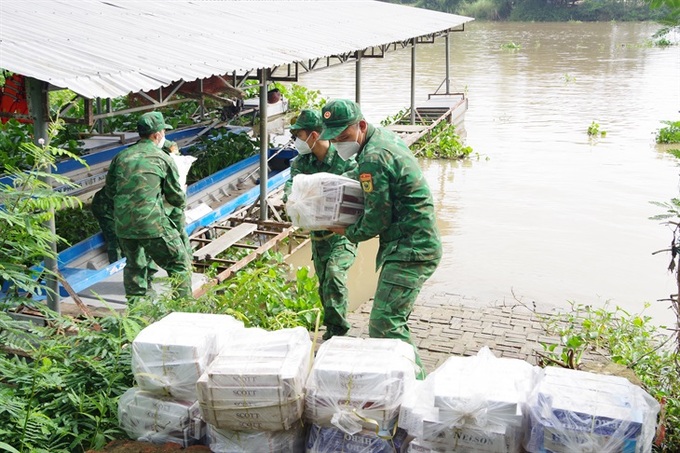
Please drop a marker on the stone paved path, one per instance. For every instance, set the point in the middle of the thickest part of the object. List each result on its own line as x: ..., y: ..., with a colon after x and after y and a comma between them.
x: 443, y: 327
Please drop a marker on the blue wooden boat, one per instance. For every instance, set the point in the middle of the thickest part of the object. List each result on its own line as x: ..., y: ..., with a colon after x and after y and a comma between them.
x: 209, y: 200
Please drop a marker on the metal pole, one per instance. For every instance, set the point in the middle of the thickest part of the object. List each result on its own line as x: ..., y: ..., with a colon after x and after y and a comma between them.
x: 357, y: 83
x: 413, y: 82
x: 37, y: 97
x: 448, y: 75
x: 264, y: 144
x: 100, y: 122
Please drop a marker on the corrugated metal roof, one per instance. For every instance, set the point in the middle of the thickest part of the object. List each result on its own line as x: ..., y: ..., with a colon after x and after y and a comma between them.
x: 109, y: 48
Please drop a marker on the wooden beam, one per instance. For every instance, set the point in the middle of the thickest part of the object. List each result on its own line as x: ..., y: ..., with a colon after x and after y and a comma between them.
x: 224, y: 241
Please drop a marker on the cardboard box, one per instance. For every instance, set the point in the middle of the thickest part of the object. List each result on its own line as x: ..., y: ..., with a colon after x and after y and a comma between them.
x: 227, y: 441
x: 324, y: 200
x: 272, y: 417
x: 323, y: 439
x: 148, y: 417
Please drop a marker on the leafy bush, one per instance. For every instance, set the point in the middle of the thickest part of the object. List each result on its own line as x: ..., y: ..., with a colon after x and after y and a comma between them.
x: 28, y: 203
x: 60, y: 384
x: 630, y: 340
x: 442, y: 143
x: 217, y: 150
x: 670, y: 133
x: 74, y: 224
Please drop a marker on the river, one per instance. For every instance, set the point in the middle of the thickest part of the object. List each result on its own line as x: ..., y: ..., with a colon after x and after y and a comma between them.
x: 542, y: 213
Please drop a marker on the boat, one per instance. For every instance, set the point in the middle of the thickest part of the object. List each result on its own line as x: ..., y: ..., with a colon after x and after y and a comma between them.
x: 209, y: 201
x: 437, y: 109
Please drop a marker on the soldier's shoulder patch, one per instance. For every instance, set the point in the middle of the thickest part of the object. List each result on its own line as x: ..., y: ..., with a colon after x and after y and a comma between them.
x: 366, y: 181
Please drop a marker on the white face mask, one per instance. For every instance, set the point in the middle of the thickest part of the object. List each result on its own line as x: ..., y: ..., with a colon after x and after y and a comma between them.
x: 162, y: 142
x: 348, y: 149
x: 302, y: 146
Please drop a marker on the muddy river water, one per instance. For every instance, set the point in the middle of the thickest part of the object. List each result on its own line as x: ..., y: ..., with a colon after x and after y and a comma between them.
x: 542, y: 212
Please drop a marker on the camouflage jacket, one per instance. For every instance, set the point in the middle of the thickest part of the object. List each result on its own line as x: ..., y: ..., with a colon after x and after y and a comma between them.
x: 142, y: 180
x: 398, y: 204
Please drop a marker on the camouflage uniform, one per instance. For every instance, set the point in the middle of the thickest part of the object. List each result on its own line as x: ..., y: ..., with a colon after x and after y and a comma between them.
x: 332, y: 254
x: 102, y: 209
x: 149, y: 204
x: 398, y: 207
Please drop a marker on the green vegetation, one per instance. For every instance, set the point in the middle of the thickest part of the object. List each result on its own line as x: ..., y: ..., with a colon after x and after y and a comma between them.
x: 29, y: 202
x: 74, y: 224
x: 594, y: 131
x: 558, y: 10
x: 670, y: 133
x: 442, y: 143
x: 511, y: 46
x: 300, y: 97
x: 217, y: 150
x: 629, y: 340
x: 60, y: 383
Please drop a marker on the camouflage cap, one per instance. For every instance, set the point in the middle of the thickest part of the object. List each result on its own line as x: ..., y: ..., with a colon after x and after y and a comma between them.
x: 307, y: 120
x: 151, y: 122
x: 337, y: 115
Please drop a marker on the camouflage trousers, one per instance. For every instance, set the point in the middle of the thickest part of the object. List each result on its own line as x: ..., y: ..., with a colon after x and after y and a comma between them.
x: 399, y: 284
x: 107, y: 225
x: 170, y: 253
x: 332, y: 259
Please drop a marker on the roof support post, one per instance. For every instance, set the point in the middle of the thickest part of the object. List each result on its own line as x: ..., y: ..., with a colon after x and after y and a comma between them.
x: 38, y: 107
x: 264, y: 143
x: 448, y: 75
x: 413, y: 81
x: 357, y: 83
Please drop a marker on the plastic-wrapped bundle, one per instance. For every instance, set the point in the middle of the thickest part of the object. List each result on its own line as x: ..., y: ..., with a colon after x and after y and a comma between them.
x: 573, y: 410
x: 359, y: 383
x: 170, y: 355
x: 227, y: 441
x: 332, y: 440
x: 257, y: 382
x: 224, y: 327
x: 183, y: 166
x: 158, y: 419
x: 169, y: 359
x: 470, y: 404
x: 324, y: 200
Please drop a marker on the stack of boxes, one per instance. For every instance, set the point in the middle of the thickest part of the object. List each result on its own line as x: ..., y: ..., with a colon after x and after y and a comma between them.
x: 577, y: 411
x: 324, y: 200
x: 470, y: 404
x: 256, y: 386
x: 354, y: 394
x: 150, y: 417
x: 168, y: 357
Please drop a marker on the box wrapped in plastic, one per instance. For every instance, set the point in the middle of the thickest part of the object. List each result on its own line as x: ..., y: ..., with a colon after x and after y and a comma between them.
x: 330, y: 439
x: 359, y: 383
x: 224, y: 327
x: 169, y: 359
x: 323, y: 200
x: 573, y: 410
x: 471, y: 403
x: 227, y: 441
x: 257, y: 382
x: 148, y: 417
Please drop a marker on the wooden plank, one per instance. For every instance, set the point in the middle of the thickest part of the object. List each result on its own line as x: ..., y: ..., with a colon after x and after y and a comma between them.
x: 408, y: 128
x: 225, y: 241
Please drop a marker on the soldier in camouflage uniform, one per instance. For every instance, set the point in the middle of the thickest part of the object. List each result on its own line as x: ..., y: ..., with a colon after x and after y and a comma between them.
x: 398, y: 208
x: 149, y: 204
x: 332, y: 254
x: 102, y: 209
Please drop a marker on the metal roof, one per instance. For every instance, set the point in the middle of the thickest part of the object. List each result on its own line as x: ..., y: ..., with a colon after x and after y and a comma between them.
x: 109, y: 48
